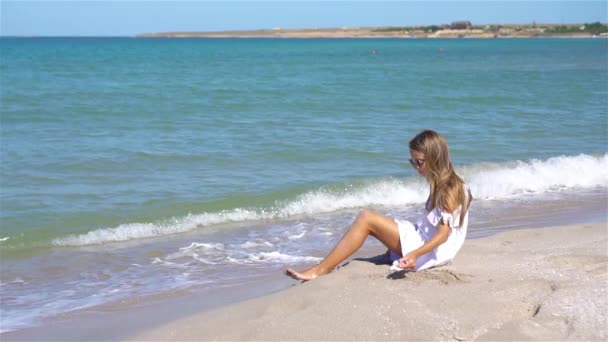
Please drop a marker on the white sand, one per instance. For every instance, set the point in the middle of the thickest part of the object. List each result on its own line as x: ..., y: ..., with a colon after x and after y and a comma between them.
x: 538, y: 284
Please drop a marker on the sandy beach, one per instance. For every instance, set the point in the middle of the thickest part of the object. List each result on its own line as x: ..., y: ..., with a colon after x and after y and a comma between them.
x: 534, y: 284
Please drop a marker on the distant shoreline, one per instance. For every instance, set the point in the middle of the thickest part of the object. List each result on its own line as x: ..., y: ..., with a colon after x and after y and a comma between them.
x: 486, y: 31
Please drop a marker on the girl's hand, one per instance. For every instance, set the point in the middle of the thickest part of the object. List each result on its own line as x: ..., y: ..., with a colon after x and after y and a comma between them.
x: 408, y: 262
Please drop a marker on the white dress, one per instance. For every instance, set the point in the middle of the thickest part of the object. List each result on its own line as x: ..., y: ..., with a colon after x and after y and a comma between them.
x: 413, y: 236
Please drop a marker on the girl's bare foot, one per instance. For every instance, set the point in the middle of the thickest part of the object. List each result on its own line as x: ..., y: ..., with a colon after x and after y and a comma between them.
x: 309, y: 274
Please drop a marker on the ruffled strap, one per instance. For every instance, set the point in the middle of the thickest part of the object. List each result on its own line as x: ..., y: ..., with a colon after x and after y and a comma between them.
x: 438, y: 215
x: 447, y: 218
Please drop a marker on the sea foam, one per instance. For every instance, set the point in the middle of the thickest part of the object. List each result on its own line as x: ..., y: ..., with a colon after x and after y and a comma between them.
x: 488, y: 181
x: 500, y: 181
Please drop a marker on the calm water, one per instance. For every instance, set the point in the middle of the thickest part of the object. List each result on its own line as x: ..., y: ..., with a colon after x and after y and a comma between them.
x: 132, y: 166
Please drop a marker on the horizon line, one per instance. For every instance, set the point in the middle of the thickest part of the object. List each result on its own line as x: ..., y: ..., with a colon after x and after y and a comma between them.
x: 134, y: 35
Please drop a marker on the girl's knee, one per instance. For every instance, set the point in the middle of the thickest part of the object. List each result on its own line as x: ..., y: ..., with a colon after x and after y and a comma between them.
x: 366, y: 218
x: 365, y: 215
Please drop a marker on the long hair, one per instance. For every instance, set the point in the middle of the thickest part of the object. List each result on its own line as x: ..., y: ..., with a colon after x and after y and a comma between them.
x: 447, y: 190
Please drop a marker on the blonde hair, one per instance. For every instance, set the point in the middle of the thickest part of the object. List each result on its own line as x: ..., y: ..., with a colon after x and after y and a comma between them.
x: 447, y: 188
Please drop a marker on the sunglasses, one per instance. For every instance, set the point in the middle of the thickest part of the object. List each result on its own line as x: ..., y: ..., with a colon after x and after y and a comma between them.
x: 417, y: 163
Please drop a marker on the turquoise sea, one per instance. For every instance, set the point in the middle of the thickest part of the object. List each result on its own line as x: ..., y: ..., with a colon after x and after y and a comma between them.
x: 131, y: 167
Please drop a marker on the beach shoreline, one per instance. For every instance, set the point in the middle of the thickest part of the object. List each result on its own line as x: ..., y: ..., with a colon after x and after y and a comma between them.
x: 524, y: 284
x: 531, y: 298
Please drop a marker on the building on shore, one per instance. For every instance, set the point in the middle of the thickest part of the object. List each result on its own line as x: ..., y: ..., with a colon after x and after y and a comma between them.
x: 461, y: 25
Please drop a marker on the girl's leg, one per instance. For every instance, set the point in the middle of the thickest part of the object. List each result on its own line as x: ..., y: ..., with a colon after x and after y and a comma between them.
x: 367, y: 223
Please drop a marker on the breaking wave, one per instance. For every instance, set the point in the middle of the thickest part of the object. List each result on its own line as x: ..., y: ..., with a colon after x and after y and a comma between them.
x: 488, y: 181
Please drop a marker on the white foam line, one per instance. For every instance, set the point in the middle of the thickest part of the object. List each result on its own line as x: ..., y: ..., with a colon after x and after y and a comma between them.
x: 487, y: 181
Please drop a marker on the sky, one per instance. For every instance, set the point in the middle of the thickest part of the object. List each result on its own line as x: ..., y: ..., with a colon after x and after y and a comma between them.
x: 128, y: 18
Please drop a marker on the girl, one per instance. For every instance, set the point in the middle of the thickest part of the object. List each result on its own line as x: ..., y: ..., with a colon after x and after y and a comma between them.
x: 434, y: 239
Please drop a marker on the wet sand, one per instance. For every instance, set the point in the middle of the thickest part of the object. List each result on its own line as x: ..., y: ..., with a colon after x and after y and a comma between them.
x: 532, y: 284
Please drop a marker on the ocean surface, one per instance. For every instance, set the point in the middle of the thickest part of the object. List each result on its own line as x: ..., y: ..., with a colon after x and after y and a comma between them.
x: 133, y: 167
